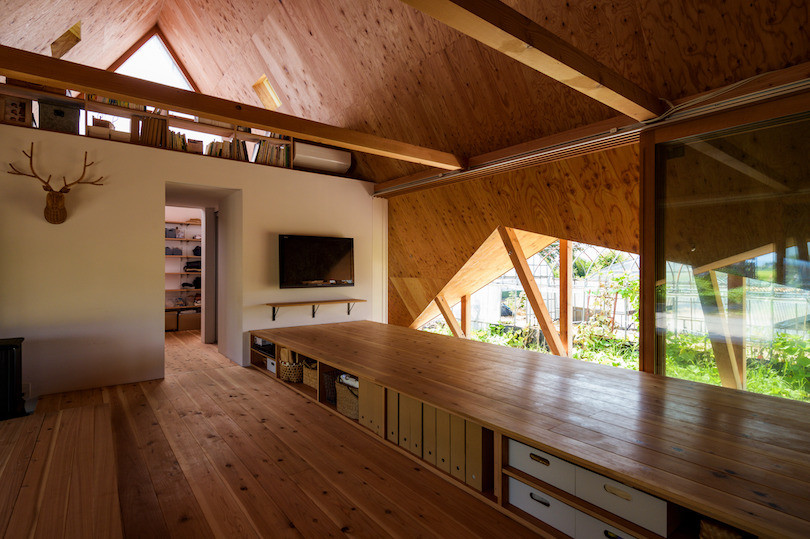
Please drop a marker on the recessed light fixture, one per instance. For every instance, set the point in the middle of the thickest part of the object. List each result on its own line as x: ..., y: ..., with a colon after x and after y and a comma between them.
x: 267, y: 95
x: 67, y: 41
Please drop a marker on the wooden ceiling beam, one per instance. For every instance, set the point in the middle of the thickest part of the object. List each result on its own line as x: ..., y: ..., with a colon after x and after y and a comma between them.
x: 508, y: 31
x: 40, y: 69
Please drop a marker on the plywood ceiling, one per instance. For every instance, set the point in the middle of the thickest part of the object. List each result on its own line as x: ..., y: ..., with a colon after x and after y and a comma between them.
x: 385, y: 68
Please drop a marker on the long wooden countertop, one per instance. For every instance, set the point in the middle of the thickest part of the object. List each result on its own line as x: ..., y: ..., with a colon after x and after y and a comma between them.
x: 735, y: 456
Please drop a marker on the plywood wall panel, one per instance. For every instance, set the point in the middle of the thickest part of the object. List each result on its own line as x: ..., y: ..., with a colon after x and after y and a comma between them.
x: 592, y: 199
x: 108, y: 29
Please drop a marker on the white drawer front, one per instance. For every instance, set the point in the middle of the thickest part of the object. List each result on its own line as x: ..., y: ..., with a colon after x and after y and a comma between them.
x: 271, y: 365
x: 636, y: 506
x: 542, y: 506
x: 588, y: 527
x: 543, y: 466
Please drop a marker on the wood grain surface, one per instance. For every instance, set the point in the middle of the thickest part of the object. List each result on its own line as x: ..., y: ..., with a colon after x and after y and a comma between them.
x: 217, y: 450
x: 58, y: 475
x: 434, y: 233
x: 736, y: 456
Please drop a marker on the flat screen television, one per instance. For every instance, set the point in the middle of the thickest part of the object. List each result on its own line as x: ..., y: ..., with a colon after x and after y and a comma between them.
x: 315, y: 261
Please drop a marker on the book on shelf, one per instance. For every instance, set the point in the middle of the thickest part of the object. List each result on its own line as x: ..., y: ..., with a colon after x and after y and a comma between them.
x: 269, y: 153
x: 116, y: 102
x: 234, y: 149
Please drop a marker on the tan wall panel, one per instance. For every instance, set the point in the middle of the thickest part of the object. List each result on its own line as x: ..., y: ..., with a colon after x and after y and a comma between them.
x: 443, y: 440
x: 392, y: 416
x: 458, y: 453
x: 429, y: 433
x: 592, y: 199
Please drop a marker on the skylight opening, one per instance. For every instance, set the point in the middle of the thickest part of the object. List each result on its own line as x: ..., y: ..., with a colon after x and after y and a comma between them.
x: 154, y: 63
x: 267, y: 95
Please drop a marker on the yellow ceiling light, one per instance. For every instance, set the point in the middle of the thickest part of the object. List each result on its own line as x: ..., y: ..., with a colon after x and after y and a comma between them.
x: 267, y: 95
x: 66, y: 41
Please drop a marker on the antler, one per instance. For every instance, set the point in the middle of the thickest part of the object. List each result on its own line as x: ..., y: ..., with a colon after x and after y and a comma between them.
x: 46, y: 184
x: 81, y: 179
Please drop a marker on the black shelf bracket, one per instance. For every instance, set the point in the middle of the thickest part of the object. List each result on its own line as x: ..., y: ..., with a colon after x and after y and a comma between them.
x: 349, y: 307
x: 315, y: 310
x: 275, y: 311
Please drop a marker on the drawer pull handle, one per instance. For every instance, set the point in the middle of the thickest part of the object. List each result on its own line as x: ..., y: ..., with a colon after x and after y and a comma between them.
x: 610, y: 535
x: 618, y: 492
x: 539, y: 500
x: 537, y: 458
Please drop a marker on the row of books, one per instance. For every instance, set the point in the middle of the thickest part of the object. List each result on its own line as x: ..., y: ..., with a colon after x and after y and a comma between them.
x: 116, y: 102
x: 153, y: 131
x: 268, y: 153
x: 177, y: 141
x: 229, y: 149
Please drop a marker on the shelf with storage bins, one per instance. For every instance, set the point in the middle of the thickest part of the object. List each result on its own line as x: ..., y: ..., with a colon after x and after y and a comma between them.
x: 183, y: 303
x: 282, y: 365
x: 459, y: 448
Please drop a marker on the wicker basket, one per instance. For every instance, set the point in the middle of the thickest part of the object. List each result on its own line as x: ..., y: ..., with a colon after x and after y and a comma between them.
x: 347, y: 400
x: 329, y: 381
x: 711, y: 529
x: 291, y: 372
x: 310, y: 373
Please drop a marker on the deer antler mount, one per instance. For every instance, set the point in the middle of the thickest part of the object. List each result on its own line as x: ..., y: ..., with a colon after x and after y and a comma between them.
x: 55, y: 211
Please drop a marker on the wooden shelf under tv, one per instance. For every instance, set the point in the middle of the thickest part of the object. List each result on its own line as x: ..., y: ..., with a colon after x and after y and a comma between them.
x: 315, y: 304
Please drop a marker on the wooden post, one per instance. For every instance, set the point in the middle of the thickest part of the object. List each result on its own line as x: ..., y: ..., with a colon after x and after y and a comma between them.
x: 444, y: 308
x: 524, y: 273
x: 650, y: 359
x: 466, y: 315
x: 736, y: 322
x: 566, y: 290
x: 717, y: 326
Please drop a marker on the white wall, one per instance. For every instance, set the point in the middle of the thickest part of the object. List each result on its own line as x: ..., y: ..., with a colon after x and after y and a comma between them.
x: 87, y: 294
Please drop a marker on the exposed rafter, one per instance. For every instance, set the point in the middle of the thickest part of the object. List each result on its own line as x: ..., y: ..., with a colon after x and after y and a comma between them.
x: 59, y: 73
x: 717, y: 327
x: 447, y: 313
x: 508, y: 31
x: 753, y: 172
x: 532, y: 291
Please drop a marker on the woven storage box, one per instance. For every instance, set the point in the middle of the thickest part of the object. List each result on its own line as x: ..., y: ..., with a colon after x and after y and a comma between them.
x: 310, y: 373
x: 329, y: 381
x: 347, y: 401
x: 291, y: 372
x: 710, y: 529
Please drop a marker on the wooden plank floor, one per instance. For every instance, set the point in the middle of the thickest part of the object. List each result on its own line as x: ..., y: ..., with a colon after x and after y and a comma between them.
x: 217, y: 450
x: 57, y: 474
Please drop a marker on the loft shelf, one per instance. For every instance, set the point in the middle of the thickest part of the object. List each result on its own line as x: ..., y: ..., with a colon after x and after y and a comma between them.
x: 182, y: 223
x: 181, y: 256
x: 315, y: 305
x: 182, y: 239
x: 183, y: 273
x: 197, y: 124
x: 183, y: 290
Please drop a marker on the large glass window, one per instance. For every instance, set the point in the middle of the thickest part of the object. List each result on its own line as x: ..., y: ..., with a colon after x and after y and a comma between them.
x: 734, y: 282
x: 604, y: 300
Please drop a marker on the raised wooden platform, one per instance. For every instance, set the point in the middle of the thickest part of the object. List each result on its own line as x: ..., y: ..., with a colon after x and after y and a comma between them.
x: 57, y: 475
x: 738, y: 457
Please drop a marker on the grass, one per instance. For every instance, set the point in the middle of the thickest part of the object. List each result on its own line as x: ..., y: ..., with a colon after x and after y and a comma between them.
x: 781, y: 371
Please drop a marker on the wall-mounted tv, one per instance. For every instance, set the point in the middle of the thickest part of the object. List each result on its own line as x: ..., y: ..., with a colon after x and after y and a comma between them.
x: 315, y: 261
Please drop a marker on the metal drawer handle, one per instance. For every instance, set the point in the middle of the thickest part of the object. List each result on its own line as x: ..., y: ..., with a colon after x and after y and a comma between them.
x: 610, y: 535
x: 539, y: 500
x: 537, y: 458
x: 618, y: 492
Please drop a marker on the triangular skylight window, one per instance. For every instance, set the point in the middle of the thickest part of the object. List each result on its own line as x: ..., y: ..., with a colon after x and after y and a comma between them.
x: 153, y: 62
